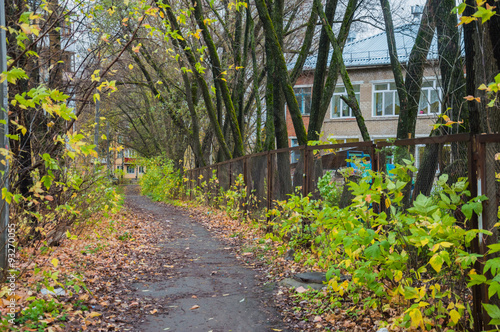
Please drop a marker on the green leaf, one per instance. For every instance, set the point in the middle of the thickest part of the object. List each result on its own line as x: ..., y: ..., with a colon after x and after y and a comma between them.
x: 436, y: 262
x: 492, y: 310
x: 493, y: 264
x: 497, y: 79
x: 484, y: 14
x: 476, y: 279
x: 493, y: 289
x: 459, y: 9
x: 6, y: 195
x: 467, y: 210
x: 494, y: 248
x: 373, y: 251
x: 13, y: 75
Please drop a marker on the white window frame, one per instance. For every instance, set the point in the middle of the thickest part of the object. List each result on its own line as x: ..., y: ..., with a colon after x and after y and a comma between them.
x: 374, y: 103
x: 129, y: 153
x: 302, y: 105
x: 141, y: 170
x: 428, y: 90
x: 130, y: 167
x: 339, y: 94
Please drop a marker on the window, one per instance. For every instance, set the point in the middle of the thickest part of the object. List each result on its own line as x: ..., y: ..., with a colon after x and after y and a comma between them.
x: 141, y: 169
x: 128, y: 153
x: 119, y: 168
x: 295, y: 155
x: 120, y: 154
x: 130, y: 169
x: 339, y: 108
x: 386, y: 100
x: 303, y: 96
x: 430, y: 97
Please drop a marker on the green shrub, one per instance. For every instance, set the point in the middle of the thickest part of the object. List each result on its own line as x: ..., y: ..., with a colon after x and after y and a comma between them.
x: 329, y: 189
x: 161, y: 181
x: 416, y: 258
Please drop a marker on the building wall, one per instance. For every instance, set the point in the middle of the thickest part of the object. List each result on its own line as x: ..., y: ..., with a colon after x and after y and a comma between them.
x: 136, y: 174
x: 378, y: 127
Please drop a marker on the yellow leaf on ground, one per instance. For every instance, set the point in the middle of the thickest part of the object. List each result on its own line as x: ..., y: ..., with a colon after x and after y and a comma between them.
x: 55, y: 262
x: 416, y: 317
x: 455, y: 316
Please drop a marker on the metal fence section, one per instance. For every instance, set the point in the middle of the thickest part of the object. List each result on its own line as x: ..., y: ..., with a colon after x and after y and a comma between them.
x: 275, y: 175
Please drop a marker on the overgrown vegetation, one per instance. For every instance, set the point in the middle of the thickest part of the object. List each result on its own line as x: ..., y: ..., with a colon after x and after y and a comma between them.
x: 414, y: 266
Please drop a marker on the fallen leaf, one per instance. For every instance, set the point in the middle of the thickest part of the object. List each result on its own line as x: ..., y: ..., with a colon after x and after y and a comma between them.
x: 154, y: 311
x: 300, y: 289
x: 94, y: 314
x: 195, y: 307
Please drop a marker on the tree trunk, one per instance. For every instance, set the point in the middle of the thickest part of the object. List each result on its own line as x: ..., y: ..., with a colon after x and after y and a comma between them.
x: 316, y: 120
x: 217, y: 68
x: 352, y: 101
x: 280, y: 65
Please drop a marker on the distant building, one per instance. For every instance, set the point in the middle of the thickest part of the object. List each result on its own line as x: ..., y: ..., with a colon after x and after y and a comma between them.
x: 126, y: 161
x: 368, y: 64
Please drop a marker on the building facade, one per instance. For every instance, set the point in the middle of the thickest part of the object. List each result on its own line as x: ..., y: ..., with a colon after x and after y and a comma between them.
x: 368, y: 64
x: 125, y: 165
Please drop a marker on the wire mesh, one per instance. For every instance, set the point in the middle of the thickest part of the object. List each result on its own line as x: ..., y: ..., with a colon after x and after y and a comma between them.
x: 325, y: 171
x: 491, y: 188
x: 332, y: 167
x: 257, y: 181
x: 224, y: 176
x: 237, y: 169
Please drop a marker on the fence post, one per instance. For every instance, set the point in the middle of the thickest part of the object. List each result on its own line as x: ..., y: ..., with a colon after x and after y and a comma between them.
x: 375, y: 167
x: 306, y: 175
x: 245, y: 181
x: 218, y: 179
x: 190, y: 184
x: 269, y: 182
x: 475, y: 166
x: 230, y: 174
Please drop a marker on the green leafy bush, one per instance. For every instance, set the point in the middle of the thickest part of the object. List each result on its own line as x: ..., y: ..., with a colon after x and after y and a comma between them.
x: 417, y: 258
x: 161, y: 181
x: 35, y: 315
x: 329, y: 189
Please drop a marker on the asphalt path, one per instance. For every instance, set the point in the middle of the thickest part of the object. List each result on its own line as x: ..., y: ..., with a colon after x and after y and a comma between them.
x: 206, y: 289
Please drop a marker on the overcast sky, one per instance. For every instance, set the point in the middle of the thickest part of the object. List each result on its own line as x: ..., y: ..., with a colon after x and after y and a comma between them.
x: 403, y: 8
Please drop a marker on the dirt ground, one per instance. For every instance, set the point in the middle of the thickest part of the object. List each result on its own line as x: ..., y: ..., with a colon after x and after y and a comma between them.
x: 205, y: 288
